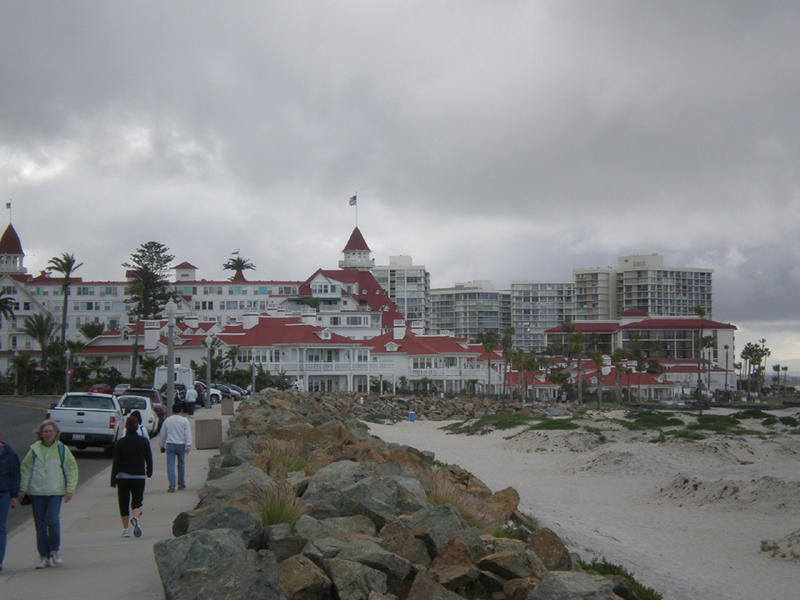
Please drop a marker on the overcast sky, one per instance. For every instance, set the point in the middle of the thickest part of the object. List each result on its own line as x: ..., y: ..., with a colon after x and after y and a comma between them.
x: 488, y: 140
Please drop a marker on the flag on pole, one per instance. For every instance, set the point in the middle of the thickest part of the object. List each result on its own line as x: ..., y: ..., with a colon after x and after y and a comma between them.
x: 235, y: 252
x: 353, y: 201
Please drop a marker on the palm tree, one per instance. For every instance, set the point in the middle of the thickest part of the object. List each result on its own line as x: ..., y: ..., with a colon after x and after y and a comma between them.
x: 597, y: 359
x: 700, y: 311
x: 530, y: 364
x: 24, y: 369
x: 785, y: 376
x: 576, y: 347
x: 238, y: 266
x: 91, y: 329
x: 489, y: 341
x: 6, y: 306
x: 617, y: 359
x: 41, y: 327
x: 66, y: 265
x: 96, y: 365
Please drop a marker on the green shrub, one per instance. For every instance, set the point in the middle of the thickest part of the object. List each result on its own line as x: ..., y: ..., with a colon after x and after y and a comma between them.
x: 751, y: 413
x: 489, y: 422
x: 553, y: 424
x: 604, y: 567
x: 789, y: 421
x: 770, y: 420
x: 276, y: 503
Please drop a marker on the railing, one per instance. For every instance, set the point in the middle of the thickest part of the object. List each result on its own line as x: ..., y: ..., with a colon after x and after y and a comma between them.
x: 335, y: 367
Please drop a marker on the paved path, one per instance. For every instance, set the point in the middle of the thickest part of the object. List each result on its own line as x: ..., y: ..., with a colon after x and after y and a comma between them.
x: 97, y: 562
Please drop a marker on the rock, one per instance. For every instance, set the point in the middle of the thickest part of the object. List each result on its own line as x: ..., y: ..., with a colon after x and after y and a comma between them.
x: 503, y: 544
x: 504, y: 503
x: 436, y: 525
x: 454, y: 553
x: 550, y: 549
x: 301, y: 579
x: 221, y: 516
x: 236, y: 484
x: 280, y: 540
x: 376, y: 511
x: 513, y: 565
x: 323, y: 548
x: 328, y: 483
x: 356, y: 524
x: 518, y: 589
x: 454, y: 577
x: 396, y: 568
x: 425, y: 587
x: 214, y: 563
x: 352, y: 580
x: 398, y: 539
x: 571, y: 585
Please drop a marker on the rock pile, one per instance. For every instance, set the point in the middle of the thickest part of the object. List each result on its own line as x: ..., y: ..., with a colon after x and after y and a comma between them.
x: 361, y: 519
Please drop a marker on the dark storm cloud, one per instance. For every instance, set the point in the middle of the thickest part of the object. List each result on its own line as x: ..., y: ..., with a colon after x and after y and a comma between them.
x: 503, y: 141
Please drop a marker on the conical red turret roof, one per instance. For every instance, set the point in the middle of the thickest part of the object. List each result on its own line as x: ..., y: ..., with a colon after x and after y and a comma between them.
x: 356, y: 242
x: 9, y: 243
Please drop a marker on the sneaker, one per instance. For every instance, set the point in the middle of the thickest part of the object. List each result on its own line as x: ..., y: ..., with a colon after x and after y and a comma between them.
x: 181, y: 487
x: 137, y: 528
x: 56, y: 559
x: 171, y: 490
x: 125, y: 533
x: 43, y: 563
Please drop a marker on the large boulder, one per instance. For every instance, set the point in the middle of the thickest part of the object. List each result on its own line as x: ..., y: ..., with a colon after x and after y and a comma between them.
x: 549, y: 547
x: 426, y: 587
x: 353, y: 580
x: 573, y: 585
x: 396, y: 568
x: 435, y: 526
x: 397, y: 538
x: 221, y: 516
x: 513, y: 564
x: 327, y: 485
x: 280, y: 540
x: 235, y: 485
x: 301, y: 579
x: 214, y: 563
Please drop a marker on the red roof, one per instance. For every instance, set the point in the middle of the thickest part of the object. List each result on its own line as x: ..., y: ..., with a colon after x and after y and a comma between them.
x: 356, y: 241
x: 370, y: 292
x: 634, y: 312
x: 588, y: 327
x: 679, y: 323
x: 185, y: 265
x: 412, y: 343
x: 9, y: 243
x: 271, y: 331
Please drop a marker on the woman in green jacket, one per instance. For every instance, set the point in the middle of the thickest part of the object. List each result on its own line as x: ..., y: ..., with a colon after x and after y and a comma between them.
x: 48, y: 474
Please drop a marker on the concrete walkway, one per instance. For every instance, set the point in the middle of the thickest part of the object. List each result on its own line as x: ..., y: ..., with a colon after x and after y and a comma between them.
x: 99, y: 563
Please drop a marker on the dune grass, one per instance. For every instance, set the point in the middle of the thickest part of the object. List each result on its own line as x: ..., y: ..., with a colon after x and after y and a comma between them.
x: 647, y: 419
x: 276, y: 502
x: 603, y: 567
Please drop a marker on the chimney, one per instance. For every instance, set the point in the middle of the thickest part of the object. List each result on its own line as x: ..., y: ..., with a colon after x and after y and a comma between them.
x: 399, y: 329
x: 191, y: 321
x: 249, y: 320
x: 152, y: 331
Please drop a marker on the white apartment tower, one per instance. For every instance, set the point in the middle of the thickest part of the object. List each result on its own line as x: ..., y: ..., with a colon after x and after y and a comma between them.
x: 409, y: 286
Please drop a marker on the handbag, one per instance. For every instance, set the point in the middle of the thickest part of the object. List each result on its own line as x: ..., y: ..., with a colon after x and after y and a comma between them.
x: 26, y: 500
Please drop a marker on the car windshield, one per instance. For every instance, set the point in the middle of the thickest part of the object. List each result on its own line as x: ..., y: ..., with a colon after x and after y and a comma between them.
x: 133, y: 403
x: 148, y: 393
x: 88, y: 402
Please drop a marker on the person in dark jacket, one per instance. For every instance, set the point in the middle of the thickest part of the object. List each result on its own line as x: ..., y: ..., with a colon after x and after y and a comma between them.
x: 133, y: 460
x: 9, y: 489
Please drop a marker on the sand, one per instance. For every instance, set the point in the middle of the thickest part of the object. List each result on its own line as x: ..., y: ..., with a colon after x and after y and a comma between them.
x: 686, y: 518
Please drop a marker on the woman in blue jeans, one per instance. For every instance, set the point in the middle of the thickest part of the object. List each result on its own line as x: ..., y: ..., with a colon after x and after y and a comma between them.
x: 49, y: 474
x: 9, y: 488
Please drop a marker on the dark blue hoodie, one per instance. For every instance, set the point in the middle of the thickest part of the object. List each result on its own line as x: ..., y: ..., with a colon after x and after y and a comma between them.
x: 9, y: 471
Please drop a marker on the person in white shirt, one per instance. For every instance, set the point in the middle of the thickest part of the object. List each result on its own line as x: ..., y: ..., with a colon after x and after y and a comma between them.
x: 176, y: 439
x: 190, y: 399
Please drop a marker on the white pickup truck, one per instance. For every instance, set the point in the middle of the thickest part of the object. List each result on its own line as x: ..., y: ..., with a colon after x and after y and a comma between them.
x: 88, y: 420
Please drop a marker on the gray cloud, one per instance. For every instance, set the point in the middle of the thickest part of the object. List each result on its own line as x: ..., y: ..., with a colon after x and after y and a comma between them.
x: 494, y: 141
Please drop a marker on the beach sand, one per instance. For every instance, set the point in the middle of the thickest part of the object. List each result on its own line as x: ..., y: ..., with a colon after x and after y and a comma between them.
x: 685, y: 517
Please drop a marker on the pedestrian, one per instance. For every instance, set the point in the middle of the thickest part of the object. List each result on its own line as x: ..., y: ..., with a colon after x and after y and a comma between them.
x: 140, y: 430
x: 176, y: 440
x: 9, y: 489
x: 189, y: 400
x: 133, y: 460
x: 49, y: 475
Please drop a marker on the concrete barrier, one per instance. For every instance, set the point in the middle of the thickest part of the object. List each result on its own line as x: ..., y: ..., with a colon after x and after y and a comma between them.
x: 207, y: 433
x: 227, y: 406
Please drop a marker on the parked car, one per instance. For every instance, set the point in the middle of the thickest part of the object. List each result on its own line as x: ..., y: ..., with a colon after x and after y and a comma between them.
x: 86, y: 419
x: 242, y: 392
x: 227, y: 391
x: 100, y: 388
x: 155, y: 401
x: 128, y: 403
x: 121, y: 388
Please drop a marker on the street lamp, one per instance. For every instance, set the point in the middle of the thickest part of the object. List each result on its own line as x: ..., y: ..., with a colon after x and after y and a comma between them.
x: 209, y: 342
x: 171, y: 309
x: 16, y: 372
x: 66, y: 372
x: 253, y: 373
